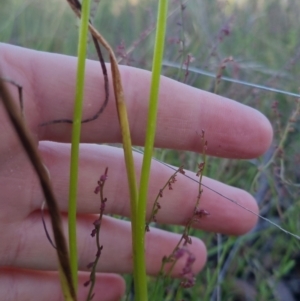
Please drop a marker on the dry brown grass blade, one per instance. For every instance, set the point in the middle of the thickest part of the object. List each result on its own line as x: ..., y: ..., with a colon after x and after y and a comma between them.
x: 32, y: 152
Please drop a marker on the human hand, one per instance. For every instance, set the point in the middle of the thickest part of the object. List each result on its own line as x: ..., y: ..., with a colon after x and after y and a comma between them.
x: 28, y: 262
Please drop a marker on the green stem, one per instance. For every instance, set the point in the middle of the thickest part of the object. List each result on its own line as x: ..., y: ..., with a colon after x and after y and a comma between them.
x: 141, y: 280
x: 76, y: 128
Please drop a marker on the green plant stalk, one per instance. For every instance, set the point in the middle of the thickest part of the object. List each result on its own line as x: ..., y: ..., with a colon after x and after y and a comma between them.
x: 76, y: 129
x: 141, y: 281
x: 214, y: 277
x: 126, y: 139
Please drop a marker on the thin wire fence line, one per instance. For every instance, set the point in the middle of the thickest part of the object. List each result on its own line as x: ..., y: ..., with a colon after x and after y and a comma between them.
x: 229, y: 199
x: 232, y: 80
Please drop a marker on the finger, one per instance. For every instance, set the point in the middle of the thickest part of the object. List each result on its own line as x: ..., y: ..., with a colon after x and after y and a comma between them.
x: 19, y: 285
x: 177, y: 204
x: 29, y: 247
x: 233, y: 130
x: 23, y: 189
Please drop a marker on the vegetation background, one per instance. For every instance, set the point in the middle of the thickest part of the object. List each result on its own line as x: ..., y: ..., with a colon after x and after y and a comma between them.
x: 262, y: 38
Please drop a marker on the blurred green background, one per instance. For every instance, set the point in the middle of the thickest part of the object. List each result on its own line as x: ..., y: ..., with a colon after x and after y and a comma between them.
x: 262, y: 38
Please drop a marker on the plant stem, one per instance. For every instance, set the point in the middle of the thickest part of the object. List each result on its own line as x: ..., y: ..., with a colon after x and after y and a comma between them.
x: 126, y: 139
x: 140, y: 281
x: 76, y: 128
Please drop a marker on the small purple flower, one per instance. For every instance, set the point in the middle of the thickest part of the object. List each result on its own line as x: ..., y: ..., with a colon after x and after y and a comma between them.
x: 201, y: 213
x: 87, y: 283
x: 188, y: 282
x: 187, y: 240
x: 99, y: 251
x: 101, y: 181
x: 179, y: 253
x: 181, y: 170
x: 103, y: 178
x: 102, y: 207
x: 97, y: 222
x: 93, y: 232
x: 188, y: 278
x: 97, y: 189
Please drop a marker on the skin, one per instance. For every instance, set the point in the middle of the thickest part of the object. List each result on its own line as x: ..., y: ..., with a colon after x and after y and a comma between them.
x: 27, y: 260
